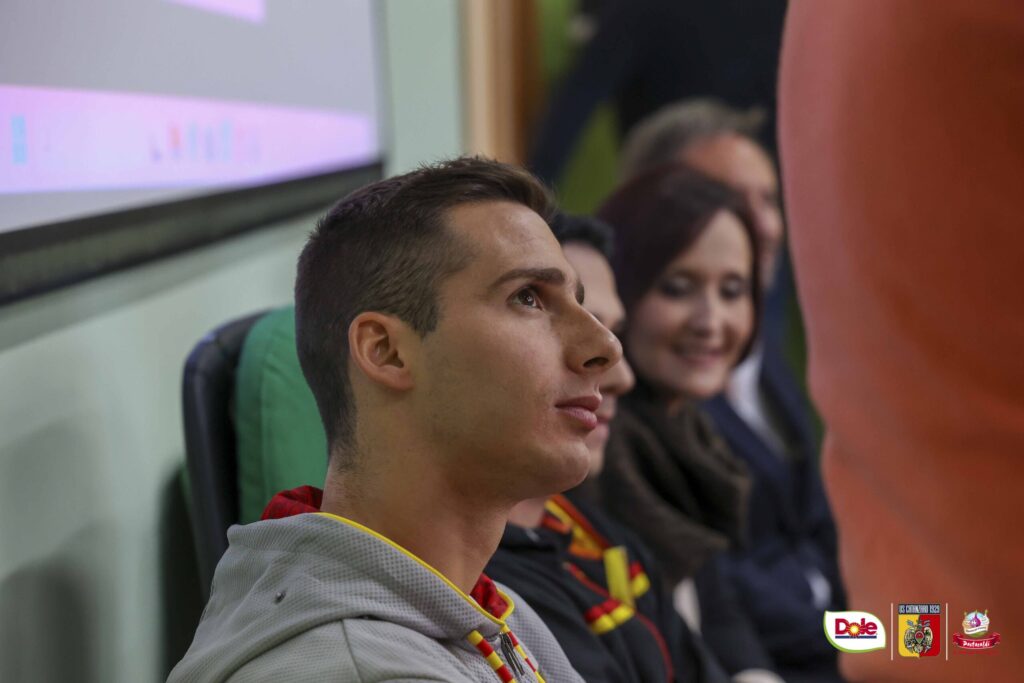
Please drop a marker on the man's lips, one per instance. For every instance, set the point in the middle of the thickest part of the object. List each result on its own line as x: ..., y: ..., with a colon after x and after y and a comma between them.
x: 583, y: 409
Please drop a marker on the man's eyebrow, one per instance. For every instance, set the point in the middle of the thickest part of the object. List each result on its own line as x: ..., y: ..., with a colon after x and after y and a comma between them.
x: 552, y: 276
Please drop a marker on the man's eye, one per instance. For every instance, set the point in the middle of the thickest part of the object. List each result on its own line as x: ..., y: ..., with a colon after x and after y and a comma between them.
x: 527, y: 297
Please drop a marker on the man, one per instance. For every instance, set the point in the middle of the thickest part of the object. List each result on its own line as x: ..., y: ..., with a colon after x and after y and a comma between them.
x: 722, y: 143
x: 441, y: 331
x: 591, y: 580
x: 788, y: 574
x: 901, y: 129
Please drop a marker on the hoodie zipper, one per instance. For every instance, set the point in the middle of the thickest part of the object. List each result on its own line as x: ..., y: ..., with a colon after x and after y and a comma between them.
x: 513, y: 652
x: 509, y: 650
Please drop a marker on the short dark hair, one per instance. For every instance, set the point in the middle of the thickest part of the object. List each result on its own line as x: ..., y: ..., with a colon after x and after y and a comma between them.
x: 386, y: 247
x: 586, y: 229
x: 660, y: 214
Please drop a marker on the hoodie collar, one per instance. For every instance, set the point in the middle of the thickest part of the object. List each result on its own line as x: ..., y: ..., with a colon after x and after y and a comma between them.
x: 485, y: 595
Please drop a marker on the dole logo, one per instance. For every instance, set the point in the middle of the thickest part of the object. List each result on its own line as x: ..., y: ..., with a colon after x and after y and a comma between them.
x: 854, y: 631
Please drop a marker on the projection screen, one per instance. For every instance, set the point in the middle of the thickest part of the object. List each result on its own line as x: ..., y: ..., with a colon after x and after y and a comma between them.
x: 132, y: 129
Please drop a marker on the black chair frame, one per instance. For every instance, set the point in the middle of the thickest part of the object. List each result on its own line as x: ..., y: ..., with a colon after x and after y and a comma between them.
x: 208, y: 390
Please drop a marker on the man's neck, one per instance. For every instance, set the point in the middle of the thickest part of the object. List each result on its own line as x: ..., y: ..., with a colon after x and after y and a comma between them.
x: 529, y: 513
x: 455, y: 532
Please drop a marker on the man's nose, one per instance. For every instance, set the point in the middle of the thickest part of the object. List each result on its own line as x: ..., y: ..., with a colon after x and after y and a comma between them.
x: 759, y: 211
x: 592, y: 349
x: 767, y: 219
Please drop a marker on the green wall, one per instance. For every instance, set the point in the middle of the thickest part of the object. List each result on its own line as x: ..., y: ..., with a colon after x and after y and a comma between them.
x: 97, y: 577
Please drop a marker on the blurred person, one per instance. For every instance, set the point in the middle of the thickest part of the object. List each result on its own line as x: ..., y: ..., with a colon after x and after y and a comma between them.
x: 590, y: 579
x: 788, y: 572
x: 645, y: 54
x: 436, y: 316
x: 903, y: 157
x: 721, y: 142
x: 686, y: 265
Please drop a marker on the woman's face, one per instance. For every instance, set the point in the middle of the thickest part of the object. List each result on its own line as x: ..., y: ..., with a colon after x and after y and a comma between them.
x: 687, y: 332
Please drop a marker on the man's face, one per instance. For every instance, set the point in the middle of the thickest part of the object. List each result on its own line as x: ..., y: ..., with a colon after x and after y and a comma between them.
x: 507, y: 385
x: 603, y: 302
x: 741, y: 163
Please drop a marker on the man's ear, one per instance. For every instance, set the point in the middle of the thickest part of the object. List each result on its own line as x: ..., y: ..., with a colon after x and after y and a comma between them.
x: 377, y: 347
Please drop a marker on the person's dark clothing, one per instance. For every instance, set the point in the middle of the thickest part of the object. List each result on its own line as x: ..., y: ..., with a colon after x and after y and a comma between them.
x: 596, y: 588
x: 649, y: 53
x: 790, y: 531
x: 673, y: 482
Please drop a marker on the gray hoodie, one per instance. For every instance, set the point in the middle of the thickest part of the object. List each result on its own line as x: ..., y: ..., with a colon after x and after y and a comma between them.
x: 316, y: 597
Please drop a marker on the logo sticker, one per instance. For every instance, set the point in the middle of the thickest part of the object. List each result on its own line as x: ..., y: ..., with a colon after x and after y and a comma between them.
x: 920, y: 630
x: 854, y: 631
x: 975, y: 635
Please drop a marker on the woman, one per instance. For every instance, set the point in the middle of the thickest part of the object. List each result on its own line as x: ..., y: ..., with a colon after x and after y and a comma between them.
x: 685, y: 260
x: 687, y: 273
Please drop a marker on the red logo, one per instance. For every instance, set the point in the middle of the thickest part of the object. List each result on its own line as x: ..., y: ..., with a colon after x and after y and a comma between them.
x: 854, y: 631
x: 865, y: 628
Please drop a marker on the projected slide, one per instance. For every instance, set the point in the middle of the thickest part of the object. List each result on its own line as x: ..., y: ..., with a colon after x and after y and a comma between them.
x: 139, y: 101
x: 77, y: 140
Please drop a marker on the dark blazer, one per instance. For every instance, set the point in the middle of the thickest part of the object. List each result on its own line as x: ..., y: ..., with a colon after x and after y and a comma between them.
x: 789, y: 523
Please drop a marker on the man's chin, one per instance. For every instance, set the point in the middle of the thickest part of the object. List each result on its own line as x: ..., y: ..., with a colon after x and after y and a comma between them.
x: 578, y: 472
x: 567, y: 470
x: 541, y: 470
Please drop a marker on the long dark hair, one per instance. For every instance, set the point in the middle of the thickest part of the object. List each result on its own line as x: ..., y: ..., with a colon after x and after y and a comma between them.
x: 660, y: 214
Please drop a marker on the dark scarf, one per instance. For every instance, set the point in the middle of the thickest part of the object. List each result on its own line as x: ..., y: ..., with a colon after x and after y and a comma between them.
x: 675, y: 482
